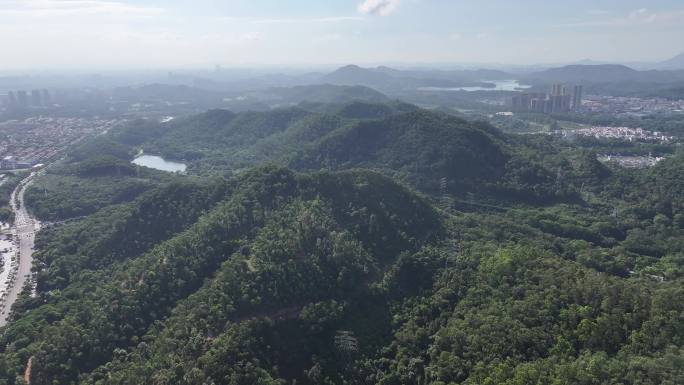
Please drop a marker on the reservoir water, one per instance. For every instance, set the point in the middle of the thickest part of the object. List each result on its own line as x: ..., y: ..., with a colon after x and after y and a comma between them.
x: 159, y: 163
x: 499, y: 85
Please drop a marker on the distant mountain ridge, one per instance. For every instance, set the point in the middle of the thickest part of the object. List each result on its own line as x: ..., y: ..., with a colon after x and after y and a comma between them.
x: 388, y: 79
x: 676, y: 62
x: 352, y: 75
x: 593, y: 73
x: 604, y: 73
x: 327, y: 93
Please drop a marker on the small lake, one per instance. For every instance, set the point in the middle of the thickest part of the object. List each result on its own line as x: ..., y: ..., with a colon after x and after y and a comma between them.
x: 499, y: 85
x: 159, y: 163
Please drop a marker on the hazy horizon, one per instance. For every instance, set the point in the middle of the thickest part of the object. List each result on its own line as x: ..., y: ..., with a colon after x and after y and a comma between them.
x: 109, y: 35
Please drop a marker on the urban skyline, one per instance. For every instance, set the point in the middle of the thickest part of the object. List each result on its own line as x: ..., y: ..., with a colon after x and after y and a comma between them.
x: 559, y: 100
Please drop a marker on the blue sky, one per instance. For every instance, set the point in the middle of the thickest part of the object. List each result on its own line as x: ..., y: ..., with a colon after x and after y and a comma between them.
x: 175, y: 33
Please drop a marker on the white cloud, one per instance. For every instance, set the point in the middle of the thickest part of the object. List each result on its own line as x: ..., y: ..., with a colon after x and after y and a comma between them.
x: 378, y: 7
x: 52, y: 8
x: 455, y: 36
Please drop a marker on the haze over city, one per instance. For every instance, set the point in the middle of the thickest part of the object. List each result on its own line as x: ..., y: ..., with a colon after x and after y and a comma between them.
x: 99, y: 34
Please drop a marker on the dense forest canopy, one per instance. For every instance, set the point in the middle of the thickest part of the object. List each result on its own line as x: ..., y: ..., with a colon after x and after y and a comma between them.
x: 361, y: 242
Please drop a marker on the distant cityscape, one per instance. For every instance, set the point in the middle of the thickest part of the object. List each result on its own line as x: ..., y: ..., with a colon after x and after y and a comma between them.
x: 26, y: 99
x: 631, y: 105
x: 559, y: 100
x: 25, y: 143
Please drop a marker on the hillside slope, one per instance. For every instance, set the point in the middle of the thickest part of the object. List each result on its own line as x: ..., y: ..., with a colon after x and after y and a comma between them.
x: 342, y: 230
x: 535, y: 264
x: 423, y: 148
x: 428, y: 146
x: 327, y: 278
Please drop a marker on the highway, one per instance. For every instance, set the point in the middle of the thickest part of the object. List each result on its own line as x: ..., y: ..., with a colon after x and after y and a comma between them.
x: 24, y: 231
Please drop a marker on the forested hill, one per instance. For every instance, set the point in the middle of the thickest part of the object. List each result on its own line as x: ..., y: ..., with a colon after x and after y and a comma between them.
x: 423, y: 148
x: 465, y: 256
x: 330, y: 278
x: 220, y: 134
x: 271, y: 241
x: 426, y: 145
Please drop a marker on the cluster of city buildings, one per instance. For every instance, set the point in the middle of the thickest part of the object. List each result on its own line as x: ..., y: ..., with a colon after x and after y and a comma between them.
x: 26, y: 99
x: 622, y: 133
x: 29, y: 142
x: 11, y: 163
x: 631, y: 105
x: 559, y: 100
